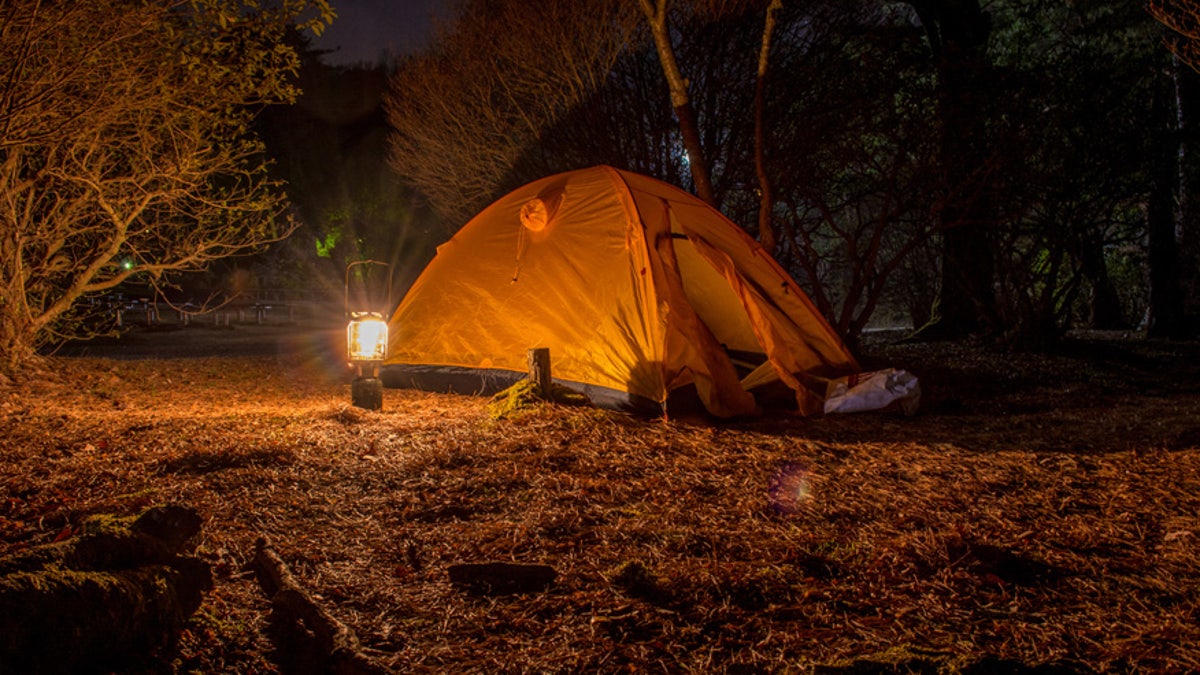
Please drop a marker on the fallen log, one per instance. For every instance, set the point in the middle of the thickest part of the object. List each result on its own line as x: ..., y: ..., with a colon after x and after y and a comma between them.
x: 115, y: 595
x: 501, y: 578
x: 307, y: 628
x: 154, y: 537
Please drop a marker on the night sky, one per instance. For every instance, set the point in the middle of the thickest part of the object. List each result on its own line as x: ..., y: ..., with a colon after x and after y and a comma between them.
x: 365, y: 29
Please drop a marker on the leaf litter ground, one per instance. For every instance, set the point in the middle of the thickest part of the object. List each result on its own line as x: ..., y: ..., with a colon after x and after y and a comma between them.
x: 1041, y: 512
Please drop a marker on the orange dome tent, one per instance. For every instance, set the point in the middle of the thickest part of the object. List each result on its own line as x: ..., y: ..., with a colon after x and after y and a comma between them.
x: 644, y: 295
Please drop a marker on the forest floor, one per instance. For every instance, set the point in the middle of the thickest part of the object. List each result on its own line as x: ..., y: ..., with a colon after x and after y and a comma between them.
x: 1039, y: 514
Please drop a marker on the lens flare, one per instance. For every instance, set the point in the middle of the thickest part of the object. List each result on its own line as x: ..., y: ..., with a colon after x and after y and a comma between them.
x: 790, y: 487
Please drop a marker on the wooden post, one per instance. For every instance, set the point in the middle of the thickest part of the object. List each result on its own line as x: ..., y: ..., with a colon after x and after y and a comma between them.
x: 539, y: 369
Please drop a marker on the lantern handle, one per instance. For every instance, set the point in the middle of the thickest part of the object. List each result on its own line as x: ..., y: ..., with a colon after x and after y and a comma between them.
x: 346, y: 295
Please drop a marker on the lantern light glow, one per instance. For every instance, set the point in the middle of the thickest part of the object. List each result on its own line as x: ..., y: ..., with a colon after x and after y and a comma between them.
x: 366, y: 337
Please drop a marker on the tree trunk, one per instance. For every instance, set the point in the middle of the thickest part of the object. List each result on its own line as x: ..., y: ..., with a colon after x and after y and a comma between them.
x: 766, y: 200
x: 17, y: 337
x: 685, y: 114
x: 958, y: 31
x: 1105, y: 304
x: 1187, y: 232
x: 1165, y: 315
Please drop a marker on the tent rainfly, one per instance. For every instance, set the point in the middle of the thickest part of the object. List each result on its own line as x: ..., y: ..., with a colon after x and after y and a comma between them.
x: 647, y: 298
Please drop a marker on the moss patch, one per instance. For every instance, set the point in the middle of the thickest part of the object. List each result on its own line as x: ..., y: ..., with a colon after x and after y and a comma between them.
x: 524, y: 396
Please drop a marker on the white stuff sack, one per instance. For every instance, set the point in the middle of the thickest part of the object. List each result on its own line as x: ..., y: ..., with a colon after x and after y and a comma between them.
x: 889, y: 389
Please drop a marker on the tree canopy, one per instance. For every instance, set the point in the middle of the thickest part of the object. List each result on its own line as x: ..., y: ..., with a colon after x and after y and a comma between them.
x: 1007, y: 165
x: 126, y: 148
x: 465, y: 110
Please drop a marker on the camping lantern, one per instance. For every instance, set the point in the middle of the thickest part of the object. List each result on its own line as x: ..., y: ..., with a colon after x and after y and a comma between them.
x: 366, y: 342
x: 366, y: 337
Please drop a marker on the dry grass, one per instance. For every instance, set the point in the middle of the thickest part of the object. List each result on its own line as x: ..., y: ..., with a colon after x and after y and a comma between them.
x: 1041, y: 511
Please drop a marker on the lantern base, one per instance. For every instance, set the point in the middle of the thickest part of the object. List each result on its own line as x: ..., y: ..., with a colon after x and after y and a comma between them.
x: 366, y: 392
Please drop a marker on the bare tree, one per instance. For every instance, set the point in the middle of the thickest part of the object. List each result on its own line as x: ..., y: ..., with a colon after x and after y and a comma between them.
x: 125, y: 148
x: 463, y: 112
x: 854, y: 195
x: 656, y: 14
